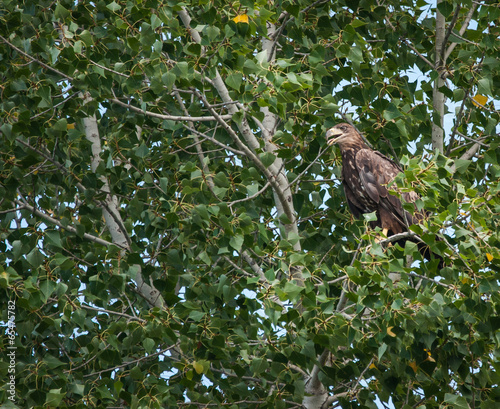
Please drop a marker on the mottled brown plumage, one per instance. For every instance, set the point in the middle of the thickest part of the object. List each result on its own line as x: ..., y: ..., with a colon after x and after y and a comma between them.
x: 365, y: 176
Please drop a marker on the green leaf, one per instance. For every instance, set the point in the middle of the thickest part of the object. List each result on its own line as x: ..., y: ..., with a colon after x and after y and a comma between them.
x: 381, y: 350
x: 54, y: 397
x: 484, y: 86
x: 235, y: 80
x: 52, y: 362
x: 60, y: 12
x: 458, y: 402
x: 6, y: 130
x: 391, y: 112
x: 236, y: 242
x: 267, y: 158
x: 356, y: 54
x: 54, y: 238
x: 370, y: 217
x: 461, y: 165
x: 197, y: 315
x: 445, y: 8
x: 149, y: 345
x: 212, y: 32
x: 35, y: 258
x: 47, y: 287
x: 113, y: 6
x: 142, y: 151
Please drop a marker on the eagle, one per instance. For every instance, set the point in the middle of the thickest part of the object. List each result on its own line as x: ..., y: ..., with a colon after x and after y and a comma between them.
x: 365, y: 176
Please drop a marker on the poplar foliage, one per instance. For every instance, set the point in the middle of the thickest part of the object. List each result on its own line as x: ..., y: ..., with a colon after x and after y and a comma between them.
x: 173, y: 231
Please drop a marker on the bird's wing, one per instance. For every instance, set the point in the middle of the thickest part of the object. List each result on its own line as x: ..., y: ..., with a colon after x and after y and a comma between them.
x: 355, y: 206
x: 376, y: 171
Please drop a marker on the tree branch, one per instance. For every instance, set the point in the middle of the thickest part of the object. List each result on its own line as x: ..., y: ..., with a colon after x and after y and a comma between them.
x: 452, y: 25
x: 214, y: 141
x: 462, y: 30
x: 33, y: 59
x: 133, y: 362
x: 245, y: 199
x: 252, y: 156
x: 451, y: 287
x: 111, y: 211
x: 120, y: 314
x: 54, y: 221
x: 168, y: 117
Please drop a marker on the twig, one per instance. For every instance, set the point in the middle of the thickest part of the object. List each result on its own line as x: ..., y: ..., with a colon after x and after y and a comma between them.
x: 250, y: 197
x: 135, y: 361
x: 451, y: 287
x: 452, y: 24
x: 33, y: 59
x: 422, y: 57
x: 109, y: 69
x: 321, y: 151
x: 484, y: 107
x: 400, y: 236
x: 215, y: 141
x: 169, y: 117
x: 56, y: 105
x: 121, y: 314
x: 94, y: 239
x: 478, y: 141
x: 462, y: 30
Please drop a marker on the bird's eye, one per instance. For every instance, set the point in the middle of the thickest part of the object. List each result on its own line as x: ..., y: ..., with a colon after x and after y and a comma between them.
x: 343, y: 128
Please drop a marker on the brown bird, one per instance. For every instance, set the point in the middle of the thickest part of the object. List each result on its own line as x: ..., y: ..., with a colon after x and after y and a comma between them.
x: 365, y: 176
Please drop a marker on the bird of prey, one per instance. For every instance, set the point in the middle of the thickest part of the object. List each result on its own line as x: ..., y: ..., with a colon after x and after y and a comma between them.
x: 365, y: 176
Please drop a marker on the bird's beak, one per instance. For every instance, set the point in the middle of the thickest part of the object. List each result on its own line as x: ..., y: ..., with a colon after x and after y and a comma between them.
x: 333, y: 135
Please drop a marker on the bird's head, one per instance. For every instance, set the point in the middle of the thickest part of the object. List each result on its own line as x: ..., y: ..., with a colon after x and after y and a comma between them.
x: 343, y: 135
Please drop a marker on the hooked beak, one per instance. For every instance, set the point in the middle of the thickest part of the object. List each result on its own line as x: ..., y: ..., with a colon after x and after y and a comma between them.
x: 333, y: 135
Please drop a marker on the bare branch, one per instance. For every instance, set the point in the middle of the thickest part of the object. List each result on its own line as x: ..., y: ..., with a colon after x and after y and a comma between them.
x: 186, y: 20
x: 469, y: 153
x: 102, y: 67
x: 54, y: 221
x: 168, y: 117
x: 215, y: 141
x: 252, y: 156
x: 250, y: 197
x: 33, y: 59
x: 462, y: 30
x: 451, y: 287
x: 321, y: 151
x: 421, y: 56
x: 479, y: 141
x: 452, y: 24
x: 120, y: 314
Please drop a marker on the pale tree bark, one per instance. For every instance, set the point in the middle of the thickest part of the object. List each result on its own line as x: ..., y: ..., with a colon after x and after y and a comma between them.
x: 317, y: 397
x: 438, y: 98
x: 442, y: 53
x: 275, y: 172
x: 110, y: 206
x: 111, y: 212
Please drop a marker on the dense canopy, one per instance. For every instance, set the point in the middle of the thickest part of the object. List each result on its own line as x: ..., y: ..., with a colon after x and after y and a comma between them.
x: 173, y: 230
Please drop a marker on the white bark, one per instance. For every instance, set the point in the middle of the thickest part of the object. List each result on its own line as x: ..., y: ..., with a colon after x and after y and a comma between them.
x: 274, y: 173
x: 110, y: 211
x: 438, y: 98
x: 462, y: 30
